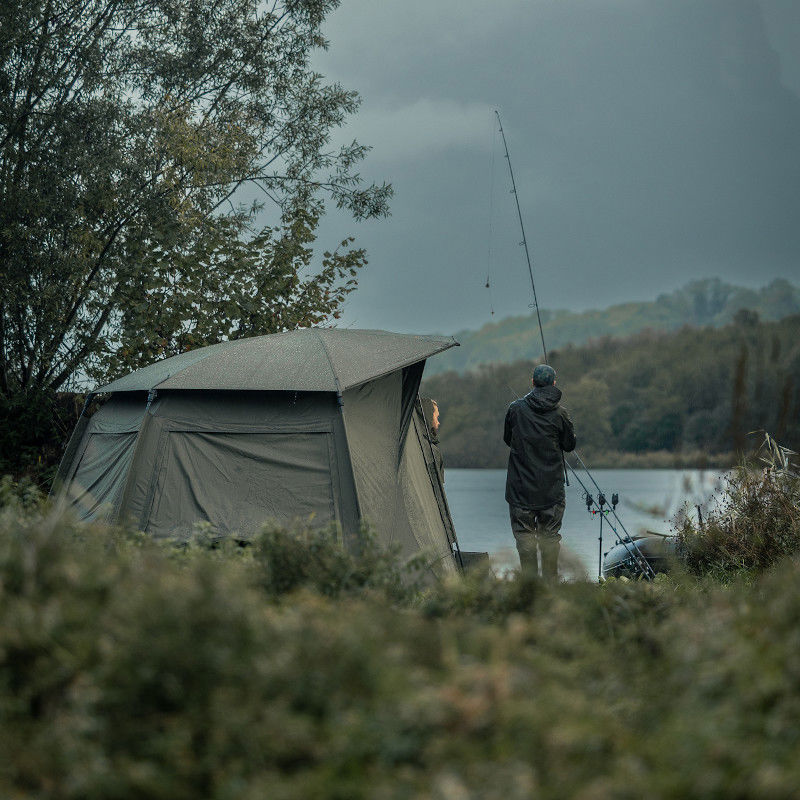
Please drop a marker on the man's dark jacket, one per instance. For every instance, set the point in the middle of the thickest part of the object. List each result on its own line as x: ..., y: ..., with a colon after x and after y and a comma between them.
x: 537, y: 429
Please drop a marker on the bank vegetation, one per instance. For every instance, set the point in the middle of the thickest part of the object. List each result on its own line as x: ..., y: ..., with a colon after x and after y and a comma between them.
x: 288, y: 669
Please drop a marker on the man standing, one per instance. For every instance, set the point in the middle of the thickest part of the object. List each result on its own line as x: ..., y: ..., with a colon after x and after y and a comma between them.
x: 537, y: 430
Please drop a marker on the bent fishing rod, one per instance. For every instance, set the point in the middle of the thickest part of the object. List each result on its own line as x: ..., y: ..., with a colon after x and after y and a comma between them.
x: 524, y: 241
x: 633, y: 551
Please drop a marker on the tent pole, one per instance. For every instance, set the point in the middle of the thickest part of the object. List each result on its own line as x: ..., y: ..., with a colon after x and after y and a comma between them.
x: 72, y: 446
x: 340, y: 405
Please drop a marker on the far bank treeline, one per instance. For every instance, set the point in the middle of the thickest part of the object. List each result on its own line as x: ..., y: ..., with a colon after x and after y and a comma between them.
x: 654, y: 399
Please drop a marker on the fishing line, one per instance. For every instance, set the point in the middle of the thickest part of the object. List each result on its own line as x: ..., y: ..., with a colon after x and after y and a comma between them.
x: 627, y: 541
x: 489, y: 254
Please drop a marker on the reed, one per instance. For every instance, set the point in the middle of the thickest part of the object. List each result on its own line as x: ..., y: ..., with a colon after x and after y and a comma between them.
x: 756, y: 522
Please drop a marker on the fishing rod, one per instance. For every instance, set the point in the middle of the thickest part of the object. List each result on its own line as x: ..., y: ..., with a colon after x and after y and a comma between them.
x: 524, y: 244
x: 626, y: 541
x: 633, y: 551
x: 613, y: 509
x: 524, y: 241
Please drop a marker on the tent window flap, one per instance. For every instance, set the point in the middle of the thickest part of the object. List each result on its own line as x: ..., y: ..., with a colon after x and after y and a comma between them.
x: 239, y: 481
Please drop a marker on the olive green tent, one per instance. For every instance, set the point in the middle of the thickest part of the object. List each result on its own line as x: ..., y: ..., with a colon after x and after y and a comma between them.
x: 318, y: 424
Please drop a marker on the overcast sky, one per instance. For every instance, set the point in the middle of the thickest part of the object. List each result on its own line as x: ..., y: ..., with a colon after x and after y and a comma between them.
x: 653, y: 141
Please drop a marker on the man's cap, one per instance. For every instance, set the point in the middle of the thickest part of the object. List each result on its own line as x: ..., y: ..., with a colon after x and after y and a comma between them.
x: 543, y: 375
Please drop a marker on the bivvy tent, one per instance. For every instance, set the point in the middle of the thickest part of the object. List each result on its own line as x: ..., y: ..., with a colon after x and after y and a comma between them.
x: 319, y: 424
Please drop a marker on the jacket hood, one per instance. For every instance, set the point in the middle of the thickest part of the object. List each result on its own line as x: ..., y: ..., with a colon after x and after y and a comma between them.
x: 543, y: 398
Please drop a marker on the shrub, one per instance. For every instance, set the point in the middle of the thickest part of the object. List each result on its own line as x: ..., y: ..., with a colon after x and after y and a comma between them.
x: 135, y: 669
x: 23, y: 497
x: 314, y: 558
x: 480, y: 593
x: 756, y: 525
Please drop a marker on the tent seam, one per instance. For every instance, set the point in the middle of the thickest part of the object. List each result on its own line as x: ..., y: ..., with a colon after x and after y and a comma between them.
x: 442, y: 343
x: 330, y: 361
x: 397, y: 366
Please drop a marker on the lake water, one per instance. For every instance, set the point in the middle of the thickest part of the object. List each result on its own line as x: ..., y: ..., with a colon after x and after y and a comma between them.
x: 648, y: 500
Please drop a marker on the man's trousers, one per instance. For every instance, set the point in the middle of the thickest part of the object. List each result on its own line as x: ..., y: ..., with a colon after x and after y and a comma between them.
x: 537, y: 534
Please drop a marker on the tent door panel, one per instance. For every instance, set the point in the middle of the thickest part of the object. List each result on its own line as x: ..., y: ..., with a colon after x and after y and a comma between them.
x: 430, y: 519
x: 94, y: 489
x: 237, y: 481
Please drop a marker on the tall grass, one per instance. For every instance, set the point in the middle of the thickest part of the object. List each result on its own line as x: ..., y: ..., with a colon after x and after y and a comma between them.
x: 756, y: 524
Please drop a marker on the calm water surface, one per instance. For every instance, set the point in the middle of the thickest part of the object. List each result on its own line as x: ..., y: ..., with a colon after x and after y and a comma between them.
x: 649, y: 499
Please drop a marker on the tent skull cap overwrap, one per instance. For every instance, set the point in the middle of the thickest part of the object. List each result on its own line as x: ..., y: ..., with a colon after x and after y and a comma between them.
x: 308, y: 359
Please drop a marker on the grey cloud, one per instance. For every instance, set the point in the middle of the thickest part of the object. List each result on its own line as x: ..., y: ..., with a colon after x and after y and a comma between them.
x: 653, y: 142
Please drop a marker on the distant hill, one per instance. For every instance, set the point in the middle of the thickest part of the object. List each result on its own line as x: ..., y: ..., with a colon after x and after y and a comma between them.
x: 702, y: 303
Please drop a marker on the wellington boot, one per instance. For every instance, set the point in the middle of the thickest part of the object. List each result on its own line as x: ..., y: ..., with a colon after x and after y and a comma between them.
x: 549, y: 555
x: 528, y: 558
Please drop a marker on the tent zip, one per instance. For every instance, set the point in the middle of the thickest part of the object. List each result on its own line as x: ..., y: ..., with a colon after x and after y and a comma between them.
x: 452, y: 537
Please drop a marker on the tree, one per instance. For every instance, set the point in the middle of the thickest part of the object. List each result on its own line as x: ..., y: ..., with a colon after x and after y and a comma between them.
x: 238, y: 288
x: 130, y: 131
x: 588, y: 401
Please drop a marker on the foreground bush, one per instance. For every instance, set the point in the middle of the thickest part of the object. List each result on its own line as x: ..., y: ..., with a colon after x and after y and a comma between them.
x: 131, y: 670
x: 311, y: 558
x: 23, y: 496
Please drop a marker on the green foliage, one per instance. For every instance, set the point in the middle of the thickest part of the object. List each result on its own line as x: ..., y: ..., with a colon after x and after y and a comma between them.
x: 688, y: 397
x: 479, y: 593
x: 128, y: 132
x: 227, y: 287
x: 703, y: 303
x: 34, y: 432
x: 22, y: 497
x: 131, y: 134
x: 129, y: 669
x: 315, y: 559
x: 755, y: 526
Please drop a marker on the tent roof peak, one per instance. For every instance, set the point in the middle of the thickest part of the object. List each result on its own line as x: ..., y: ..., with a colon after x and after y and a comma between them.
x: 307, y: 359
